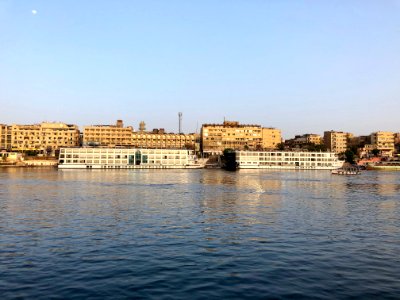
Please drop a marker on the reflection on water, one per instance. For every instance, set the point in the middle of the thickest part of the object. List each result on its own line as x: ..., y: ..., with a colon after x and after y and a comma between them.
x: 198, y: 234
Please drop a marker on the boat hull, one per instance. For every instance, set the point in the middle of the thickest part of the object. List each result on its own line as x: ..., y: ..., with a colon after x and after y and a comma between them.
x: 383, y: 168
x: 286, y: 167
x: 104, y: 167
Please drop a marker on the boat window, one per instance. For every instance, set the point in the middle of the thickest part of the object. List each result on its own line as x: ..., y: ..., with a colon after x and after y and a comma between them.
x: 138, y: 158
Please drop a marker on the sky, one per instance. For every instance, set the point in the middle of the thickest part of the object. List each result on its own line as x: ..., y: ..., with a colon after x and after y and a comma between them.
x: 300, y: 66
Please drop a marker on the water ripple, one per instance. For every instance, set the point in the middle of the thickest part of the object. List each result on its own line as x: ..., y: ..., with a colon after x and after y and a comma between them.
x: 176, y: 234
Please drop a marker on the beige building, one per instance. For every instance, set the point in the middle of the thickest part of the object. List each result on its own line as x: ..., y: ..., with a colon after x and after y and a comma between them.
x: 384, y: 142
x: 308, y: 138
x: 5, y: 137
x: 217, y: 137
x: 108, y: 135
x: 337, y: 141
x: 43, y: 138
x: 26, y: 138
x: 161, y: 140
x: 312, y: 138
x: 271, y: 137
x: 57, y: 135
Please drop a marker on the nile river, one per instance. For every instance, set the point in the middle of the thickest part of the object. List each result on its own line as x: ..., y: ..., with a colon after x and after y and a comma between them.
x: 198, y: 234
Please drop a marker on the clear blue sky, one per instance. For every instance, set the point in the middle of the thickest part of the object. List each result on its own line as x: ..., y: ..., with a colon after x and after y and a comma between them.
x: 301, y: 66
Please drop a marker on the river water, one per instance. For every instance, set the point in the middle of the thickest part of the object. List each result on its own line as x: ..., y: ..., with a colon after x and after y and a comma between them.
x: 198, y: 234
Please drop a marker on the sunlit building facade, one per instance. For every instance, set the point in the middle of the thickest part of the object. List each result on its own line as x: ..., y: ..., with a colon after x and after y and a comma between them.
x: 308, y: 138
x: 26, y: 138
x: 43, y: 138
x: 384, y: 142
x: 5, y: 137
x: 161, y: 140
x: 108, y: 135
x: 337, y: 141
x: 217, y: 137
x: 271, y: 137
x: 57, y: 135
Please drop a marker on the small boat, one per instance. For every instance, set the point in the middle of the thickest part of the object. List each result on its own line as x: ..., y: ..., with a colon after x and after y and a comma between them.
x: 194, y: 166
x: 346, y: 171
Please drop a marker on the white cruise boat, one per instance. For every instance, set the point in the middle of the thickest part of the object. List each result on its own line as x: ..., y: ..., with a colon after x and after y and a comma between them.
x: 119, y: 158
x: 287, y: 160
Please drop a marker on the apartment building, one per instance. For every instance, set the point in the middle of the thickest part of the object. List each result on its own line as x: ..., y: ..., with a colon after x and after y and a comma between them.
x: 271, y: 137
x: 108, y: 135
x: 161, y: 140
x: 337, y: 141
x: 43, y: 138
x: 312, y: 138
x: 5, y: 137
x: 26, y: 138
x: 384, y: 142
x: 217, y: 137
x: 57, y: 135
x: 308, y: 138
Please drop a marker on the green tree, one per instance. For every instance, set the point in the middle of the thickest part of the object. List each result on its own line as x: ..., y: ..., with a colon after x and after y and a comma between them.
x: 228, y: 150
x: 315, y: 147
x: 189, y: 146
x: 349, y: 156
x: 397, y: 147
x: 229, y: 159
x: 48, y: 150
x: 280, y: 146
x: 375, y: 152
x: 31, y: 152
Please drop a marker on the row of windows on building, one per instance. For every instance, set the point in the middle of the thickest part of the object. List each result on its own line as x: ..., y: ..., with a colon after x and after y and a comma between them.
x: 213, y: 138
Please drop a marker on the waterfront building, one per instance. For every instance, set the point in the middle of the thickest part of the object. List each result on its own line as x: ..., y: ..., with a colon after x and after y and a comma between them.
x: 108, y: 135
x: 159, y: 139
x: 337, y: 141
x: 384, y: 142
x: 5, y: 137
x: 217, y: 137
x: 359, y: 141
x: 57, y: 135
x: 271, y: 137
x: 311, y: 138
x: 26, y: 137
x: 43, y: 138
x: 308, y: 138
x: 366, y: 151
